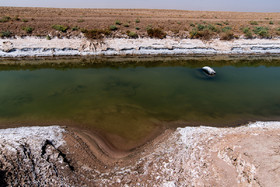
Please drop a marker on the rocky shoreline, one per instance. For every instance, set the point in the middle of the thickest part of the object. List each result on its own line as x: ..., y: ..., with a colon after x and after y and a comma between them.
x: 80, y: 46
x: 241, y: 156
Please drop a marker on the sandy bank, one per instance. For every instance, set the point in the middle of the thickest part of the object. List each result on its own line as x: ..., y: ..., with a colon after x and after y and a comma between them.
x: 195, y: 156
x: 33, y: 46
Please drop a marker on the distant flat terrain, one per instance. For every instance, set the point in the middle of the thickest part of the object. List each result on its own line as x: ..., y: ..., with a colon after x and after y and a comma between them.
x: 178, y: 23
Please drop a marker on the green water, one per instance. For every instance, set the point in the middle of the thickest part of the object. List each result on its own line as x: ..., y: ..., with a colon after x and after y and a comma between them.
x: 130, y: 101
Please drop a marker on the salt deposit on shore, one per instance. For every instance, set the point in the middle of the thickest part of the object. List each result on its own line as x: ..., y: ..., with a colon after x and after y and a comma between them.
x: 192, y: 156
x: 33, y: 46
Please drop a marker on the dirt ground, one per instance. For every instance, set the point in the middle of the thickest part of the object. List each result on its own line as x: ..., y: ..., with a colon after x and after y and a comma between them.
x: 176, y: 23
x: 241, y: 156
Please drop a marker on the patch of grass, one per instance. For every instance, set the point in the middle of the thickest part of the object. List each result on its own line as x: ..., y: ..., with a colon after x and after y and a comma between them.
x: 113, y: 27
x: 5, y: 34
x: 137, y: 28
x: 226, y: 22
x: 126, y: 25
x: 28, y: 29
x: 118, y: 22
x: 24, y: 20
x: 5, y: 19
x: 271, y: 23
x: 200, y: 27
x: 254, y: 23
x: 137, y: 20
x: 48, y: 37
x: 132, y: 34
x: 212, y: 28
x: 80, y: 20
x: 261, y: 31
x: 192, y: 24
x: 156, y: 33
x: 61, y: 28
x: 96, y: 33
x: 226, y: 29
x: 247, y: 33
x: 76, y: 28
x: 16, y: 18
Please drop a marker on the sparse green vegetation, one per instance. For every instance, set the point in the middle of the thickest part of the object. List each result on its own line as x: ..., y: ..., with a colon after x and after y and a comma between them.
x: 271, y: 23
x: 261, y: 31
x: 61, y: 28
x: 28, y: 29
x: 220, y: 24
x: 226, y: 22
x: 247, y: 32
x: 113, y: 27
x: 192, y: 25
x: 132, y: 34
x: 156, y: 33
x: 5, y: 19
x: 137, y: 28
x: 80, y: 20
x: 96, y: 33
x: 76, y: 28
x: 254, y: 23
x: 16, y: 18
x: 118, y: 22
x: 226, y: 29
x: 48, y: 37
x: 24, y: 20
x: 126, y: 25
x: 5, y: 34
x: 137, y: 20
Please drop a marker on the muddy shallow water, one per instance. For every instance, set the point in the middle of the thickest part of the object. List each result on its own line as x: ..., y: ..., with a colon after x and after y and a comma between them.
x: 129, y: 102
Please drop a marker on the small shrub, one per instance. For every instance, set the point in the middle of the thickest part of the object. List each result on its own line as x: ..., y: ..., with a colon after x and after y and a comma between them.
x: 61, y: 28
x: 137, y: 28
x: 253, y: 22
x: 96, y: 33
x: 156, y: 33
x: 24, y: 20
x: 118, y: 22
x: 28, y: 30
x: 192, y: 25
x: 80, y: 20
x: 193, y: 33
x: 226, y: 29
x: 48, y: 37
x: 5, y: 34
x: 200, y: 27
x: 228, y: 35
x: 247, y: 32
x: 16, y: 18
x: 5, y: 19
x: 271, y: 23
x: 226, y: 22
x: 113, y: 27
x: 220, y: 24
x: 126, y: 25
x: 149, y: 27
x: 179, y: 23
x: 132, y: 34
x: 137, y: 20
x: 212, y: 28
x: 205, y: 34
x: 261, y: 31
x: 76, y: 28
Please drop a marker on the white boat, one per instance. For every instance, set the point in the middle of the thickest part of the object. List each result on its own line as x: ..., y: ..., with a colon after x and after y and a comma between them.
x: 208, y: 70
